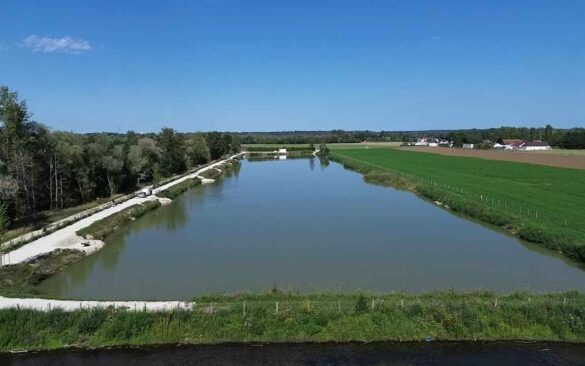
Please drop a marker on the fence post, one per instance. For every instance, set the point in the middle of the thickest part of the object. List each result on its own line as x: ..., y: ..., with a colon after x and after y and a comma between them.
x: 277, y: 307
x: 496, y: 303
x: 339, y: 305
x: 244, y: 307
x: 402, y: 303
x: 372, y: 304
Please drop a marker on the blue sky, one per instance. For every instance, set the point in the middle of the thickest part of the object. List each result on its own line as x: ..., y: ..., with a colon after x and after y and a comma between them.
x: 263, y: 65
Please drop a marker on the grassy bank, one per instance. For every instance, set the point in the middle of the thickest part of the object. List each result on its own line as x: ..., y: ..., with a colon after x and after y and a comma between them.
x: 176, y: 190
x: 540, y: 204
x: 296, y: 318
x: 22, y: 279
x: 104, y: 227
x: 228, y: 166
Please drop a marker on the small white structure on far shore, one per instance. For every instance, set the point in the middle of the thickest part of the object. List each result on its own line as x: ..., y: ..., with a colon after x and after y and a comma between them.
x: 283, y: 151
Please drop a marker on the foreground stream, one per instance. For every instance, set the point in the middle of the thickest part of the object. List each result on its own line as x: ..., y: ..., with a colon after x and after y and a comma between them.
x: 439, y: 353
x: 295, y: 224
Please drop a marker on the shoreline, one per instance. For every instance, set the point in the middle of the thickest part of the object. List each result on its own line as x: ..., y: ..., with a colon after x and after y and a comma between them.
x: 511, y: 224
x: 67, y: 238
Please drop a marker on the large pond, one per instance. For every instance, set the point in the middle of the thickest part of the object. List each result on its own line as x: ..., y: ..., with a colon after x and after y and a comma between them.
x: 295, y: 224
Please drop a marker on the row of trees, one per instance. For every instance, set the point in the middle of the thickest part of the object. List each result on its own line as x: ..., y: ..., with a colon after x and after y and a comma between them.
x: 565, y: 138
x: 42, y: 169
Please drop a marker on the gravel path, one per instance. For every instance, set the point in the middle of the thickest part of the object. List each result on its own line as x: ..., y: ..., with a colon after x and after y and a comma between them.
x: 72, y: 305
x: 67, y: 238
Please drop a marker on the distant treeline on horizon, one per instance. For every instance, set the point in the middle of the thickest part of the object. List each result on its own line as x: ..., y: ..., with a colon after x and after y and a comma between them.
x: 570, y: 138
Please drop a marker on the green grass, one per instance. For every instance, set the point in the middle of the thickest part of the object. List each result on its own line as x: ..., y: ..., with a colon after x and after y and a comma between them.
x: 300, y: 318
x: 542, y: 204
x: 101, y: 229
x: 176, y: 190
x: 22, y: 279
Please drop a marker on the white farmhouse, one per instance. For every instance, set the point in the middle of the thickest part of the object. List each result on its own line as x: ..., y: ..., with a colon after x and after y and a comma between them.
x: 535, y: 146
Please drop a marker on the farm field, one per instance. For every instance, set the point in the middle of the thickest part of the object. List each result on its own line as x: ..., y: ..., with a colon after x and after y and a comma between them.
x: 552, y: 198
x: 559, y: 158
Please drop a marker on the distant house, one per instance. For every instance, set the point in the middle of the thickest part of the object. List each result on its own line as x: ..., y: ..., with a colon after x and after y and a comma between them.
x: 468, y: 146
x: 422, y: 141
x: 499, y: 146
x: 535, y: 146
x: 282, y: 151
x: 513, y: 144
x: 433, y: 144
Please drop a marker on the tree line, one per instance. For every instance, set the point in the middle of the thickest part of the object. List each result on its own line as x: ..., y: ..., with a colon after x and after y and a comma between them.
x: 42, y: 169
x: 562, y: 138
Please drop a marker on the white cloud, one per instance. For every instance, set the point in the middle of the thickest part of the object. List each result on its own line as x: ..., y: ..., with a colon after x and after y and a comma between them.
x: 46, y: 44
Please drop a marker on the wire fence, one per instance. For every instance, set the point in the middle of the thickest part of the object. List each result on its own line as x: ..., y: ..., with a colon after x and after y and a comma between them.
x: 372, y: 304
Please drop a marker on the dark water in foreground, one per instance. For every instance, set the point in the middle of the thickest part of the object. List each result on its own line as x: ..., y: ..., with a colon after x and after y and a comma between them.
x: 295, y: 224
x: 433, y: 353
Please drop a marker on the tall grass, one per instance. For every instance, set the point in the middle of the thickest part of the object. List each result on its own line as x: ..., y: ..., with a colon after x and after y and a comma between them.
x: 326, y: 317
x: 548, y: 232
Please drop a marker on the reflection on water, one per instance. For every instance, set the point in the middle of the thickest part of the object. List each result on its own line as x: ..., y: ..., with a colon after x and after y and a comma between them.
x: 286, y: 224
x: 434, y: 353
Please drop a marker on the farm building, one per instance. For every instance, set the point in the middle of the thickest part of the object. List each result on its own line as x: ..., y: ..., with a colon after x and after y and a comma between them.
x: 535, y: 146
x: 512, y: 144
x: 468, y: 146
x: 282, y: 151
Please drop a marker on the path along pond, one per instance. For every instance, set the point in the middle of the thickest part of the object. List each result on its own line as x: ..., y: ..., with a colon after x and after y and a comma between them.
x: 297, y: 224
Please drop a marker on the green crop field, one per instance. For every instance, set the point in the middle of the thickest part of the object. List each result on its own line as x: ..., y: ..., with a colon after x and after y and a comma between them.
x: 552, y: 198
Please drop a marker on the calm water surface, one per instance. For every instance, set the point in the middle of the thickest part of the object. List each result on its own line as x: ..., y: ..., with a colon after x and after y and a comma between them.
x: 299, y: 225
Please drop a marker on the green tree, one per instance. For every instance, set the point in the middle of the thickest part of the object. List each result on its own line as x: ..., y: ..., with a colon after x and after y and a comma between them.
x: 197, y: 150
x: 173, y: 154
x: 143, y: 159
x: 217, y: 145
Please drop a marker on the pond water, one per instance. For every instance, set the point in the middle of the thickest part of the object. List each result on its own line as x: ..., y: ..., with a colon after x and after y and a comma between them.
x: 295, y: 224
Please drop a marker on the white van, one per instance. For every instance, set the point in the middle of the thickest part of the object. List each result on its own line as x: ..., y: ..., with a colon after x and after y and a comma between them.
x: 145, y: 192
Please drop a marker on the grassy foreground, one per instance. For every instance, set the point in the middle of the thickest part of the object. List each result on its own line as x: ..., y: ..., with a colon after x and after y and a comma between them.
x: 297, y: 318
x: 541, y: 204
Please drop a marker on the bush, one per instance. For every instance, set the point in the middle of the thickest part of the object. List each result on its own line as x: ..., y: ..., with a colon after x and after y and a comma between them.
x: 361, y: 305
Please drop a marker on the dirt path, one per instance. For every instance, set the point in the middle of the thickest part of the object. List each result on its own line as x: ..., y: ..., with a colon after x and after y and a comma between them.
x: 536, y: 157
x: 66, y: 238
x: 72, y: 305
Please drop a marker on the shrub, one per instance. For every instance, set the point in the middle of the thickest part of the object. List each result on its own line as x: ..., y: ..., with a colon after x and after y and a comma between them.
x: 361, y: 305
